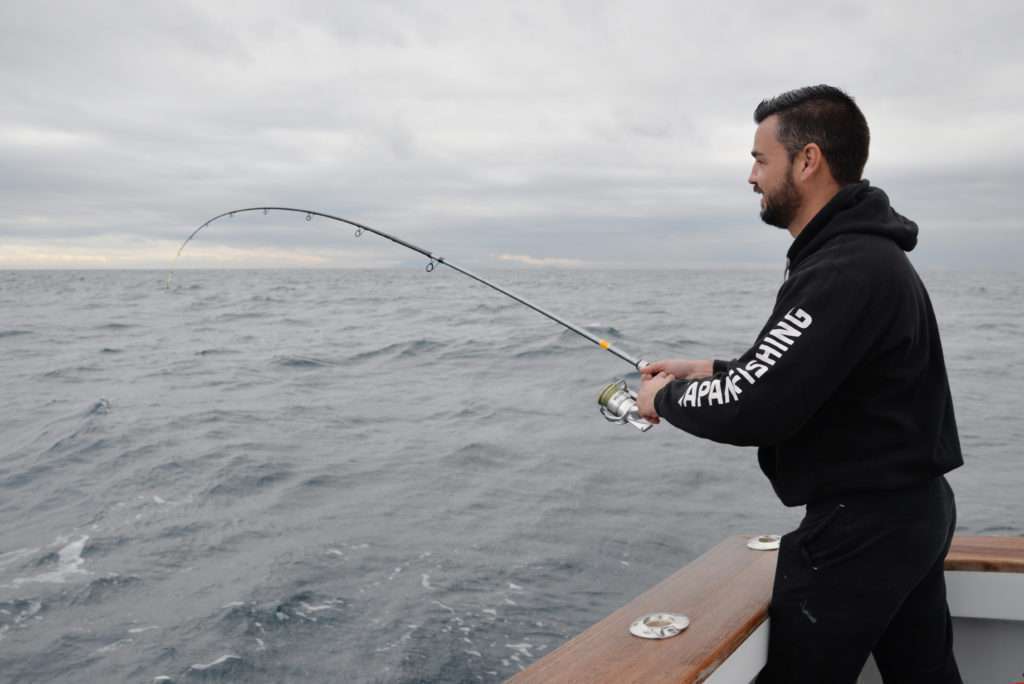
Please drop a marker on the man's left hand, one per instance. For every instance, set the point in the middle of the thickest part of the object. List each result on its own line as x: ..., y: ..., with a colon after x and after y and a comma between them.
x: 645, y: 397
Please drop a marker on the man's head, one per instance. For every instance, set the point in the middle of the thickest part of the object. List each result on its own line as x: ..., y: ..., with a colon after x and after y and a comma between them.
x: 809, y: 143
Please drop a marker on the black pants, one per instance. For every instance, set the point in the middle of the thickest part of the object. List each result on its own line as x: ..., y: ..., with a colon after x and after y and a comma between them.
x: 863, y: 574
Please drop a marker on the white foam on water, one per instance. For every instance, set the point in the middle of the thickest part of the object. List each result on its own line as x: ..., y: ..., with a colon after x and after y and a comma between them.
x: 523, y: 648
x: 260, y: 646
x: 200, y: 667
x: 159, y: 500
x: 336, y: 552
x: 514, y: 587
x: 425, y: 581
x: 474, y: 653
x: 140, y: 630
x: 69, y: 562
x: 316, y: 609
x: 234, y: 604
x: 405, y: 637
x: 114, y: 646
x: 448, y: 608
x: 490, y: 611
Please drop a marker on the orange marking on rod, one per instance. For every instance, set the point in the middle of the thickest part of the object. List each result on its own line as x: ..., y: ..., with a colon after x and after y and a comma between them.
x: 603, y: 344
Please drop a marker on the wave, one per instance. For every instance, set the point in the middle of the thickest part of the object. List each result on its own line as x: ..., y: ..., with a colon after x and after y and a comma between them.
x: 17, y: 611
x: 104, y: 588
x: 70, y: 374
x: 252, y: 618
x: 216, y: 351
x: 74, y: 437
x: 14, y: 333
x: 228, y: 666
x: 400, y: 350
x: 480, y: 455
x: 543, y: 352
x: 597, y: 329
x: 241, y: 316
x: 323, y: 480
x: 68, y: 559
x: 100, y: 407
x: 242, y: 476
x: 494, y: 308
x: 302, y: 362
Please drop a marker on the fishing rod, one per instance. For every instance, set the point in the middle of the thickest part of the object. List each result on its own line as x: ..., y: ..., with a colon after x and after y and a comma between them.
x: 617, y: 402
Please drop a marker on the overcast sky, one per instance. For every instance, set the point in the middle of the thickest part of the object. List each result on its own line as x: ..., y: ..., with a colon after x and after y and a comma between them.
x: 496, y: 134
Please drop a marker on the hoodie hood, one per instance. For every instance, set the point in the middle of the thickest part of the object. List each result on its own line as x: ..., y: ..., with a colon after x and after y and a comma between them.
x: 856, y: 208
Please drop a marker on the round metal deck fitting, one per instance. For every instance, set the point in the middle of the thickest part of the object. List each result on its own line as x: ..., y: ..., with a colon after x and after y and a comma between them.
x: 764, y: 542
x: 659, y: 625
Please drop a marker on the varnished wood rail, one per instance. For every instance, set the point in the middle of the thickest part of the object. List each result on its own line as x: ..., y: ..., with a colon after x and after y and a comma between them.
x: 986, y: 554
x: 725, y: 593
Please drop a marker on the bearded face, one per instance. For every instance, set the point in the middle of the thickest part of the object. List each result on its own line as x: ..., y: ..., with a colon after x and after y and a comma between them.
x: 780, y: 205
x: 772, y: 176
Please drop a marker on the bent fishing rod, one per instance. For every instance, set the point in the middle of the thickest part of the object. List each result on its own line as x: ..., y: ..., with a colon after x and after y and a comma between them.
x: 617, y: 402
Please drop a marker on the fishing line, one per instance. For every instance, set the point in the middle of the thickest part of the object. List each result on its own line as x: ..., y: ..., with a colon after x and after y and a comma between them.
x: 617, y: 402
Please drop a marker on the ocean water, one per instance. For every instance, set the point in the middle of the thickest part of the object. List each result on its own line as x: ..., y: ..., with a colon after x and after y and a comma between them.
x: 385, y: 476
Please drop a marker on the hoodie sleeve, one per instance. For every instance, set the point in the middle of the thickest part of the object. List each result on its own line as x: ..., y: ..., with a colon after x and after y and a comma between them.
x: 821, y: 329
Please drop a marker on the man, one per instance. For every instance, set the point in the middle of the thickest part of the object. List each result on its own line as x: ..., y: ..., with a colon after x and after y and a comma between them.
x: 845, y: 395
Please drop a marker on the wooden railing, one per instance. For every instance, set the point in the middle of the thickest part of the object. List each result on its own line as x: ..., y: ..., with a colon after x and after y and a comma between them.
x: 725, y: 593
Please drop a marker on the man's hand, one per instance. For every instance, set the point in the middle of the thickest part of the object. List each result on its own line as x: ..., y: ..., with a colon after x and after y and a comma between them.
x: 683, y: 369
x: 649, y: 386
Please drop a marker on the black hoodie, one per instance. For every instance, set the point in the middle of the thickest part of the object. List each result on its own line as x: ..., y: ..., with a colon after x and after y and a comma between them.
x: 845, y: 388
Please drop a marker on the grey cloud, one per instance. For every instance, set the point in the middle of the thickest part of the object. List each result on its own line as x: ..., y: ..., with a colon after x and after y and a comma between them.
x: 592, y: 131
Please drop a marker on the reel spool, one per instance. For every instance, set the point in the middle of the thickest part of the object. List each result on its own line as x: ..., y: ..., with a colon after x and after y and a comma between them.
x: 618, y: 405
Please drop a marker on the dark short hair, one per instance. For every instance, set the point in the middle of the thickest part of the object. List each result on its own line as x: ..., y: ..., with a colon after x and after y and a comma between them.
x: 827, y: 116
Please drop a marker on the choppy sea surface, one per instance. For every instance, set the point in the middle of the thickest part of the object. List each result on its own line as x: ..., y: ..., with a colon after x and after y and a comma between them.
x: 385, y: 476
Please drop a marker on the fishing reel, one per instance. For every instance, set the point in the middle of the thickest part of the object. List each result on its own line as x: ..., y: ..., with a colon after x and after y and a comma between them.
x: 618, y: 405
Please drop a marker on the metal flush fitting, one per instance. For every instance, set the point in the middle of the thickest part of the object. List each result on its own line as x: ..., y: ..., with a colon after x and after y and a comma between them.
x: 765, y: 542
x: 659, y: 625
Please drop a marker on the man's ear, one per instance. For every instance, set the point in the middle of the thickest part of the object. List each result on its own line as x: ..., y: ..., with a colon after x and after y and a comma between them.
x: 810, y: 161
